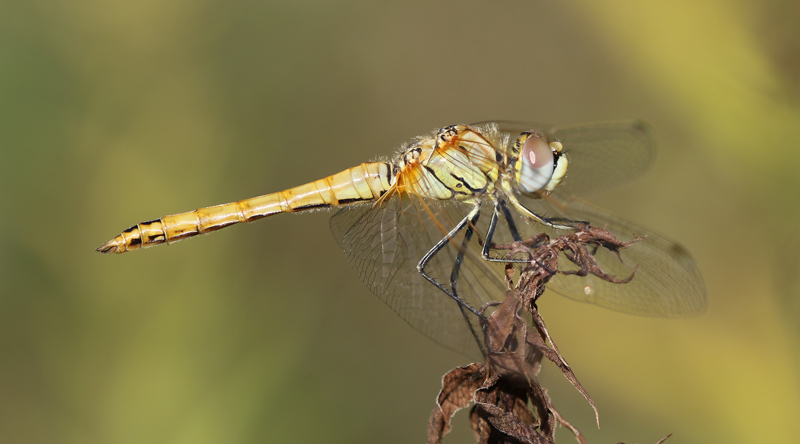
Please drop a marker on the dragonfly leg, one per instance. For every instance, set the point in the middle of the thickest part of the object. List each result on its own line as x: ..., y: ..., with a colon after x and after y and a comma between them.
x: 559, y: 223
x: 470, y: 220
x: 487, y: 243
x: 500, y: 206
x: 457, y: 269
x: 512, y: 226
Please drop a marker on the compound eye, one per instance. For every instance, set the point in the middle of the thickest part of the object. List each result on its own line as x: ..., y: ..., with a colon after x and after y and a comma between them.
x: 537, y: 164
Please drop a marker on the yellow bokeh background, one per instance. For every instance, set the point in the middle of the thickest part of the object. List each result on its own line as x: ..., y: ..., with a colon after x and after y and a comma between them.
x: 117, y: 112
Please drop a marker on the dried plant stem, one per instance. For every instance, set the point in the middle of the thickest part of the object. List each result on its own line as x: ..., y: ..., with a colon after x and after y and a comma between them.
x: 510, y: 406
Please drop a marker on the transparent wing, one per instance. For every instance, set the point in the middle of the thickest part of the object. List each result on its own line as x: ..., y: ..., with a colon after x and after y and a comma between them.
x: 666, y: 283
x: 384, y: 243
x: 600, y: 155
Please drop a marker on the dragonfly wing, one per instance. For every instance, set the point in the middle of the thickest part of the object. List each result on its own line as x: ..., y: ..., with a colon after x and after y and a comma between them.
x: 600, y: 155
x: 666, y: 282
x: 385, y: 241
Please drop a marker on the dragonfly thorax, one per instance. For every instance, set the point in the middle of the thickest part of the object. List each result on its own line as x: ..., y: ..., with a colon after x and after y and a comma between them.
x: 457, y: 163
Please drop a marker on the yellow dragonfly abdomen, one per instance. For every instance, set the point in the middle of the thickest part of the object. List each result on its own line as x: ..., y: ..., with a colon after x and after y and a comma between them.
x: 362, y: 183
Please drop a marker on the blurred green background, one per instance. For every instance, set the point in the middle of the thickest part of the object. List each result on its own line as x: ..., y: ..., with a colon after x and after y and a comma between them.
x: 115, y: 112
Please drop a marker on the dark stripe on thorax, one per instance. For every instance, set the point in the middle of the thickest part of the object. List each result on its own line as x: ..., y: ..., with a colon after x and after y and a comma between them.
x: 464, y: 182
x: 430, y: 170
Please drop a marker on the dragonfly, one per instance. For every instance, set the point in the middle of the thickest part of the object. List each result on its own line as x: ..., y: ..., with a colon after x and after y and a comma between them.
x: 419, y: 229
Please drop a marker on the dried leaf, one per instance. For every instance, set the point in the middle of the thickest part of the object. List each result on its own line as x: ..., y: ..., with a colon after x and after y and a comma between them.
x: 510, y: 424
x: 458, y: 388
x: 501, y: 414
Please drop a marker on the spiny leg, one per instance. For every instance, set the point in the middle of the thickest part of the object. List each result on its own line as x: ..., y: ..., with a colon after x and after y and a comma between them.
x: 487, y: 242
x: 500, y: 206
x: 457, y: 269
x: 558, y: 223
x: 473, y: 214
x: 510, y: 220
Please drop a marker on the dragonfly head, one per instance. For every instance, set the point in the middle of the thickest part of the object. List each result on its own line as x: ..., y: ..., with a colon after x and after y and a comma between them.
x: 539, y: 165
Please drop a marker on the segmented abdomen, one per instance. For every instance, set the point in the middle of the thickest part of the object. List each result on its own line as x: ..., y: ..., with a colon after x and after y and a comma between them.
x: 362, y: 183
